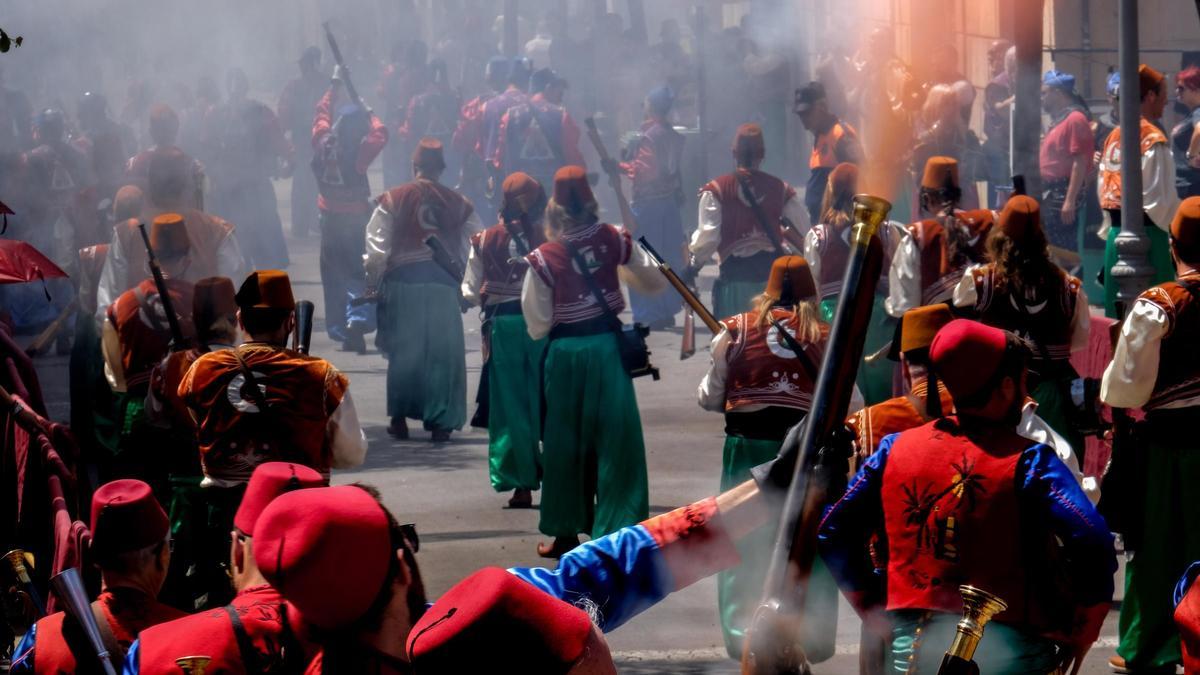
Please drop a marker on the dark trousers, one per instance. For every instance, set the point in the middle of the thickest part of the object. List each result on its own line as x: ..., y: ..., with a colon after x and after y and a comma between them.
x: 1061, y: 234
x: 343, y: 243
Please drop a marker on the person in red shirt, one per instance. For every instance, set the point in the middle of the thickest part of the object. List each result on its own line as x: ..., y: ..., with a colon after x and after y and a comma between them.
x: 1065, y: 158
x: 538, y: 137
x: 652, y: 164
x: 131, y: 547
x: 468, y: 140
x: 344, y: 146
x: 258, y: 631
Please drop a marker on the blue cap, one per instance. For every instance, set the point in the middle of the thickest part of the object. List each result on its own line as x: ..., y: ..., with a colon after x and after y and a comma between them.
x: 1113, y: 88
x: 1059, y: 80
x: 660, y: 99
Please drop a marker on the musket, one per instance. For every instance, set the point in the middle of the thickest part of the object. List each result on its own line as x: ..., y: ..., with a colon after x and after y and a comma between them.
x: 337, y: 58
x: 979, y: 607
x: 813, y: 459
x: 687, y: 346
x: 42, y: 341
x: 689, y: 297
x: 68, y: 586
x: 16, y: 560
x: 302, y: 336
x: 449, y: 265
x: 178, y: 342
x: 747, y: 188
x: 614, y: 177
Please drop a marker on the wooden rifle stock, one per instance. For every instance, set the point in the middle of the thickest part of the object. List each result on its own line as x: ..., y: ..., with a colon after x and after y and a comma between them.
x: 614, y: 177
x: 178, y: 342
x: 680, y: 287
x: 772, y: 641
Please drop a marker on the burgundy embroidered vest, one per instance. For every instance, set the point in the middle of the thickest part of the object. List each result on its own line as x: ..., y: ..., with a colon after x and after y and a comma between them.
x: 495, y: 248
x: 738, y: 223
x: 952, y: 516
x: 939, y: 273
x: 761, y: 368
x: 1047, y: 322
x: 604, y: 247
x: 1179, y: 361
x: 420, y: 208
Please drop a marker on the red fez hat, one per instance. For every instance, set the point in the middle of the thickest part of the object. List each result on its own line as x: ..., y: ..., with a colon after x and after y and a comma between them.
x: 843, y: 181
x: 126, y: 517
x: 168, y: 236
x: 966, y: 355
x: 266, y: 289
x: 978, y: 221
x: 791, y: 281
x: 1189, y: 77
x: 212, y: 297
x: 1020, y: 217
x: 941, y: 173
x: 268, y: 481
x: 494, y: 613
x: 327, y: 550
x: 1185, y: 228
x: 1149, y: 80
x: 920, y: 324
x: 571, y: 189
x: 428, y: 155
x: 748, y: 145
x: 521, y: 192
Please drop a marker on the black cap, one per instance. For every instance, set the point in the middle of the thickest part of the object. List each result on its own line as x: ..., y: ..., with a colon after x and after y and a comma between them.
x: 807, y: 96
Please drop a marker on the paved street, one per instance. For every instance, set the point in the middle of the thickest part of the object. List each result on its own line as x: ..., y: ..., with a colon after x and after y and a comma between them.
x: 444, y: 490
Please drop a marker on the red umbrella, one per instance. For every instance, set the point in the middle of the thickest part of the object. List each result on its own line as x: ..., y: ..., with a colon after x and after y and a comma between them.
x: 21, y: 263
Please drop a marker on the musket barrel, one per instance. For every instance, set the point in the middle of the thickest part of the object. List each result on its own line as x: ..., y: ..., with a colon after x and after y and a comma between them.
x: 682, y: 288
x: 794, y: 547
x: 68, y: 586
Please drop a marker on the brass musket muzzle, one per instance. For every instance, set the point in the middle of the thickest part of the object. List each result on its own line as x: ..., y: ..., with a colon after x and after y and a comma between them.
x: 979, y: 607
x: 16, y: 560
x: 869, y: 214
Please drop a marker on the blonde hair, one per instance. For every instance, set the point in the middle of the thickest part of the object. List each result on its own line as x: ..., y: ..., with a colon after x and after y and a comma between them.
x: 806, y: 317
x: 837, y: 211
x: 560, y: 219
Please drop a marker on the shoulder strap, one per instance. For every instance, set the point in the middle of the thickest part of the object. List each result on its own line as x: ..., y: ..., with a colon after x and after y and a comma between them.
x: 250, y: 656
x: 115, y: 653
x: 798, y: 349
x: 592, y: 285
x: 760, y: 216
x: 255, y: 393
